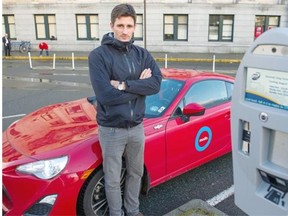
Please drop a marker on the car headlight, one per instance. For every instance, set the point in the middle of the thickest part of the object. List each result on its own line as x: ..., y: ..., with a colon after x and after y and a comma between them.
x: 44, y: 169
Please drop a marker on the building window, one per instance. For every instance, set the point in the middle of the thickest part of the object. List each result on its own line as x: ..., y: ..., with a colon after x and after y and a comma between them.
x: 138, y: 34
x: 221, y: 27
x: 175, y: 27
x: 45, y: 26
x: 87, y: 26
x: 264, y: 23
x: 8, y: 26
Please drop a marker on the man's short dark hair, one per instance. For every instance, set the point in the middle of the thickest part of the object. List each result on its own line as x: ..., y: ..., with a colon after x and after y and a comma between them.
x: 123, y: 10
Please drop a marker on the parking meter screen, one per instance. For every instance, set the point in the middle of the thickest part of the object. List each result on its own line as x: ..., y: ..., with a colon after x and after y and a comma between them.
x: 267, y: 87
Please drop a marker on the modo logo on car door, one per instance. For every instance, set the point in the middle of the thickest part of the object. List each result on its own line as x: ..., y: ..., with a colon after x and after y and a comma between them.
x: 203, y: 138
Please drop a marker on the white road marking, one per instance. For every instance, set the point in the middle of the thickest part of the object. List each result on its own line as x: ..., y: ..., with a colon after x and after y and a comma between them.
x: 13, y: 116
x: 221, y: 196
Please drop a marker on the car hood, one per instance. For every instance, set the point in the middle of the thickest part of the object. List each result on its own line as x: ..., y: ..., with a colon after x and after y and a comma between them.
x: 51, y: 128
x: 57, y: 128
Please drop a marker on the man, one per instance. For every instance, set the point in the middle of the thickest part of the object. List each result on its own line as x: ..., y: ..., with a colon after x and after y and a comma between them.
x: 122, y: 74
x: 6, y: 44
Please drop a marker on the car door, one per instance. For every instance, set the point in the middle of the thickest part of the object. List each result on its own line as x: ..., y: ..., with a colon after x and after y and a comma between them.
x: 201, y: 138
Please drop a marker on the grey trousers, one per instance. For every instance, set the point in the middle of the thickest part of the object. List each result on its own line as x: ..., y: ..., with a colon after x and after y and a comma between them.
x: 115, y: 143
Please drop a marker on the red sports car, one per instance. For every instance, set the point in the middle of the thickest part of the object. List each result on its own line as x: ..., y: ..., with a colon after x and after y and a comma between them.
x: 52, y: 157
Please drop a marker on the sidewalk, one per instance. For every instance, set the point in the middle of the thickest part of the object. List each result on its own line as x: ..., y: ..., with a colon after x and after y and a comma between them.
x: 160, y: 57
x: 196, y: 207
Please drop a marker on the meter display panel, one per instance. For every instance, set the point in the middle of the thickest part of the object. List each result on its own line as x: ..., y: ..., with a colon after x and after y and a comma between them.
x: 267, y: 87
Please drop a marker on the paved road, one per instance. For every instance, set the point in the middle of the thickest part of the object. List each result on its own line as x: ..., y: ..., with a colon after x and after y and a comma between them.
x: 25, y: 90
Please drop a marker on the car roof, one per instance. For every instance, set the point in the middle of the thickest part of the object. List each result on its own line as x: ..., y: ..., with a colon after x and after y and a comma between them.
x: 185, y: 74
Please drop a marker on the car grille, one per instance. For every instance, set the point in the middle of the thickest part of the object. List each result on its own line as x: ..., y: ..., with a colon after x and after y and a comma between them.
x: 39, y: 209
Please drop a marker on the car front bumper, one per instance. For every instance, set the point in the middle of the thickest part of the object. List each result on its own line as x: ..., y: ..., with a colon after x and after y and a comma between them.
x: 28, y: 195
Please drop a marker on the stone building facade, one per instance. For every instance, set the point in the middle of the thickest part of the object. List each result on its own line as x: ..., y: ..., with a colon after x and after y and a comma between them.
x: 198, y: 26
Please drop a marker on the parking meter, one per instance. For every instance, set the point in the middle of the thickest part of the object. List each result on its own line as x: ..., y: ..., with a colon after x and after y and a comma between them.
x: 259, y: 125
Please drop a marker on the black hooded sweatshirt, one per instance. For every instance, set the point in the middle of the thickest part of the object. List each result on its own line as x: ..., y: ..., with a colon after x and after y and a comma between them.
x: 122, y: 61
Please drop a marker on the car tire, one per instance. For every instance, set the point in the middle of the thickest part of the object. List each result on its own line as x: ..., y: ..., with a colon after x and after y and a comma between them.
x: 92, y: 199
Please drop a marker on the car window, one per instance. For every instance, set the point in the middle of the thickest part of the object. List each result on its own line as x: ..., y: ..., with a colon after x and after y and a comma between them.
x: 156, y: 104
x: 207, y: 93
x: 230, y: 87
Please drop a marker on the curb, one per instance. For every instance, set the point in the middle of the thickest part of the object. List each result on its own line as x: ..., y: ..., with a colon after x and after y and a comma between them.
x: 196, y: 207
x: 43, y: 58
x: 198, y: 60
x: 156, y: 59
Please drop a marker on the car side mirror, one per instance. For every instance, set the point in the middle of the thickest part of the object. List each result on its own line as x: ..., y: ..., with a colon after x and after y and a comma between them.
x: 192, y: 109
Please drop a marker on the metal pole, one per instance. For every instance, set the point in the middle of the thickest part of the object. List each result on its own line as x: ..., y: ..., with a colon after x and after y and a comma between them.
x: 145, y: 24
x: 213, y: 63
x: 30, y: 60
x: 73, y: 65
x: 165, y: 60
x: 54, y: 57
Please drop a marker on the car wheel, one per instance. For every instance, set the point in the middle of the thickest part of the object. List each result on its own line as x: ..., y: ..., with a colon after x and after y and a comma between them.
x: 92, y: 199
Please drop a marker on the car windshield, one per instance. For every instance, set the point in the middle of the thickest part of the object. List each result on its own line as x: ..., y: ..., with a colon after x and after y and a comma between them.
x: 156, y: 104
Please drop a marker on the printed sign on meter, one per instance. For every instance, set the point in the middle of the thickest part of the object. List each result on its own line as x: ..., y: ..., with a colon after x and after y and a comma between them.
x: 259, y: 123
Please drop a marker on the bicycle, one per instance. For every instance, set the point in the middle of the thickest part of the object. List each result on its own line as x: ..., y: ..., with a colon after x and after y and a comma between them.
x: 23, y: 46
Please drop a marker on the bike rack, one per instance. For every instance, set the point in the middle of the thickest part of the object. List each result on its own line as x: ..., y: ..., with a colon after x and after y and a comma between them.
x: 54, y: 61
